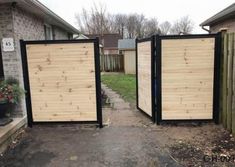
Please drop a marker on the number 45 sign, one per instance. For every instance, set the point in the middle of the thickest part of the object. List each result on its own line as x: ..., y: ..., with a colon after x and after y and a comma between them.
x: 8, y: 44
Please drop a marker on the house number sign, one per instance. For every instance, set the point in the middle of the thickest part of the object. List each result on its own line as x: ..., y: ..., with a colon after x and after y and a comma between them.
x: 8, y: 44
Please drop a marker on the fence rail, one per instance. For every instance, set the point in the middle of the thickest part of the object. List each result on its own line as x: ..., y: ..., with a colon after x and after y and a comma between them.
x: 227, y: 99
x: 112, y: 63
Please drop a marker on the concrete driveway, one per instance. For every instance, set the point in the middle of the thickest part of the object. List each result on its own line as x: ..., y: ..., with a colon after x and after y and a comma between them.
x: 128, y: 139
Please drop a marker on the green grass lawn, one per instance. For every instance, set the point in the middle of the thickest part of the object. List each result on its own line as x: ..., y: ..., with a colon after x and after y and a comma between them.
x: 123, y: 84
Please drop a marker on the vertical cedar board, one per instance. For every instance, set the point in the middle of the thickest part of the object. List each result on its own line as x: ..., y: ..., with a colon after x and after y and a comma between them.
x: 144, y: 77
x: 233, y: 88
x: 62, y: 82
x: 187, y: 78
x: 224, y: 88
x: 229, y: 81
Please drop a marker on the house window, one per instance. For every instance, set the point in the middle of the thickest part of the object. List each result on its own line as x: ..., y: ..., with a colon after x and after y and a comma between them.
x: 48, y: 32
x: 1, y: 65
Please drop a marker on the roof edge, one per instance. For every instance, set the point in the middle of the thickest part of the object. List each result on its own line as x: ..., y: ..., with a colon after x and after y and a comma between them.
x: 219, y: 16
x: 48, y: 11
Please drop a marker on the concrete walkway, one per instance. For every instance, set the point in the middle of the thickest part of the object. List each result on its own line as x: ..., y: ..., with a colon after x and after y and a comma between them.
x: 128, y: 140
x: 121, y: 113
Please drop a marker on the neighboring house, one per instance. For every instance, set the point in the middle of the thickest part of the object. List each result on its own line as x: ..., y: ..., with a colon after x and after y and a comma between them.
x: 224, y: 20
x: 27, y: 20
x: 108, y: 41
x: 80, y: 36
x: 127, y: 48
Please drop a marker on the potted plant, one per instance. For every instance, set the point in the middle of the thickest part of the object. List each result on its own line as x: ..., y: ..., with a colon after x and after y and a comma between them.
x: 10, y: 95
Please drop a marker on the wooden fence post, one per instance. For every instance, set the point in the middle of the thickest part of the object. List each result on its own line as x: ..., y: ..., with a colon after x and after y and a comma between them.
x: 224, y: 81
x: 230, y: 81
x: 233, y: 90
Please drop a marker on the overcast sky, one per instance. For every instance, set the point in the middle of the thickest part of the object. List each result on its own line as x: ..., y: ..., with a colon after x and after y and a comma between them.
x: 197, y: 10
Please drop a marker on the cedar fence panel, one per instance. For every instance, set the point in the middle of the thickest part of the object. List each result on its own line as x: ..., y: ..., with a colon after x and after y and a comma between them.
x: 187, y: 78
x: 112, y: 62
x: 62, y: 79
x: 227, y: 99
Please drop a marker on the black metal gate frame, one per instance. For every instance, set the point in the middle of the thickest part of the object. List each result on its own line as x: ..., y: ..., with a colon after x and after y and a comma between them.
x: 1, y: 65
x: 156, y: 69
x: 27, y: 83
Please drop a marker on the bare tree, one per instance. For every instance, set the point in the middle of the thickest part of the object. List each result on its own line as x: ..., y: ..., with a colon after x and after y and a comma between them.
x: 165, y: 27
x: 140, y: 20
x: 151, y: 27
x: 119, y: 23
x: 94, y: 21
x: 98, y: 21
x: 130, y: 25
x: 82, y: 21
x: 134, y: 25
x: 182, y: 26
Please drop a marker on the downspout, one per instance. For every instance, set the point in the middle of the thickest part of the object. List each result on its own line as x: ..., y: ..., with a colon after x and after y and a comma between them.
x: 206, y: 29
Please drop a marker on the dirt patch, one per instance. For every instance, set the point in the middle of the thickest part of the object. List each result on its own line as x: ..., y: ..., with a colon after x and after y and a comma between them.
x: 187, y: 154
x: 224, y: 144
x: 205, y: 148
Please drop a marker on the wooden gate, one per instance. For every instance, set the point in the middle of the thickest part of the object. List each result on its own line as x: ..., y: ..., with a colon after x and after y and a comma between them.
x: 62, y: 80
x: 145, y: 76
x: 178, y: 77
x: 189, y: 77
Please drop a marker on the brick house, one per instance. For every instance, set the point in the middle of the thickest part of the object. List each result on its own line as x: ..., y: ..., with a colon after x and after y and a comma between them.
x: 109, y: 42
x: 224, y: 20
x: 27, y: 20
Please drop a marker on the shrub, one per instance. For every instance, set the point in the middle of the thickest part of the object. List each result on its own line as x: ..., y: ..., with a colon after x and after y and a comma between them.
x: 10, y: 91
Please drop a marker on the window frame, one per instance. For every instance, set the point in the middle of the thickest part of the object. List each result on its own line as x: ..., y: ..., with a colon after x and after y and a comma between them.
x: 48, y: 27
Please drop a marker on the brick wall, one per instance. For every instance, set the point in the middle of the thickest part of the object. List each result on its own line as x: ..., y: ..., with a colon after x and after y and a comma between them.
x: 27, y: 27
x: 6, y: 25
x: 6, y: 30
x: 18, y: 24
x: 230, y: 24
x: 10, y: 59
